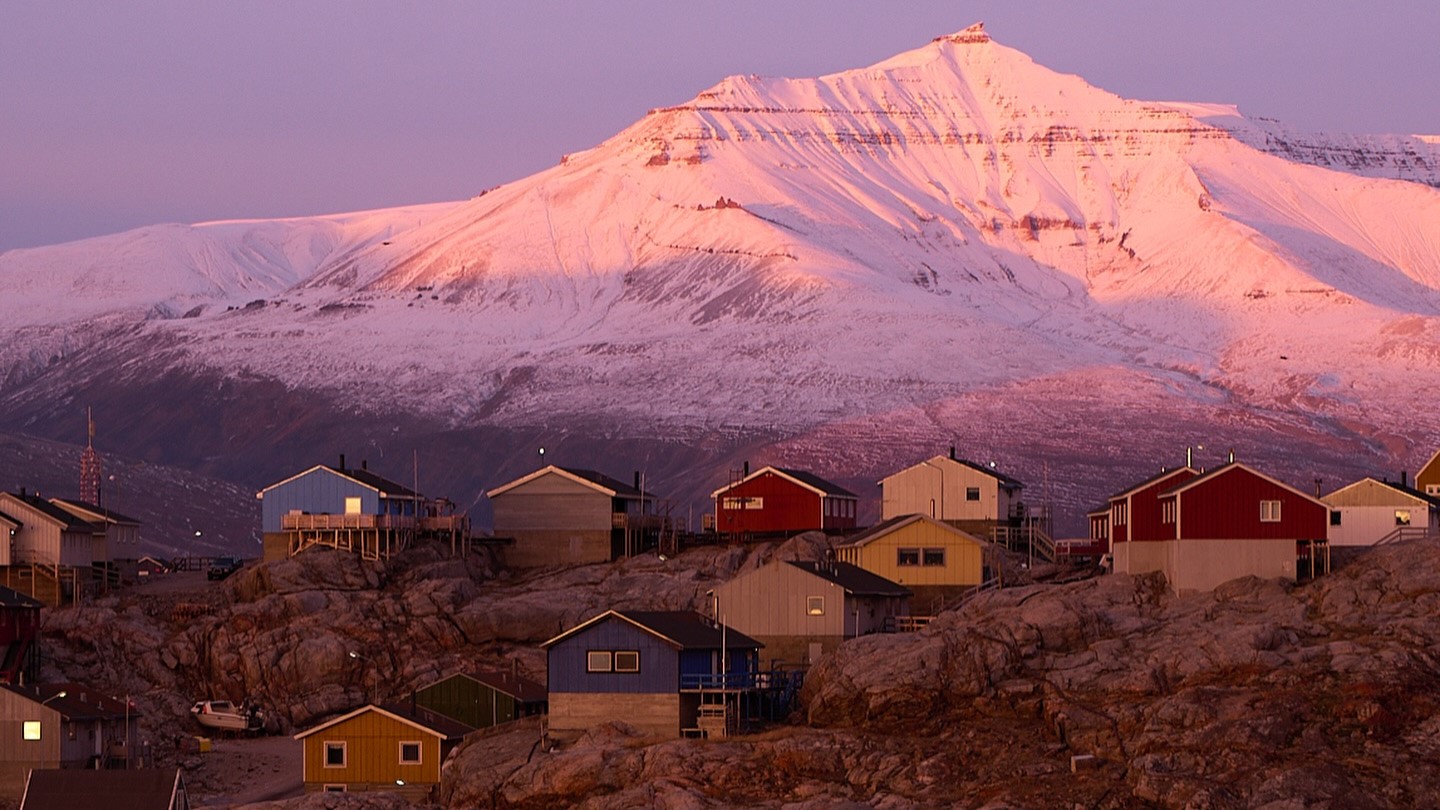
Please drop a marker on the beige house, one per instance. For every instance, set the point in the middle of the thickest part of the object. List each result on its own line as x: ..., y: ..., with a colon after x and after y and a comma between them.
x: 801, y: 610
x: 121, y: 534
x: 1369, y: 512
x: 931, y: 558
x: 558, y: 516
x: 59, y: 725
x: 969, y: 496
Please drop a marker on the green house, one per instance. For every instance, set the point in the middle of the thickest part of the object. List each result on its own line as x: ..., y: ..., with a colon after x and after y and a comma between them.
x: 484, y: 699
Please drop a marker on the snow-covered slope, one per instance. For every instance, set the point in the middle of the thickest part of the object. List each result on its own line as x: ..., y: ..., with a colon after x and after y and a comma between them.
x: 782, y: 254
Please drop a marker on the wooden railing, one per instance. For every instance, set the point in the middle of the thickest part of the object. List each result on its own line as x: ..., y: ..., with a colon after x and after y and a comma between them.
x: 1403, y: 533
x: 906, y: 624
x: 329, y: 522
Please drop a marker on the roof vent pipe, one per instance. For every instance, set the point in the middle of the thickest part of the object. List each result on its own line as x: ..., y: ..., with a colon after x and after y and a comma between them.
x: 747, y: 469
x: 1231, y: 459
x: 1402, y: 478
x: 637, y: 480
x: 364, y: 463
x: 952, y: 452
x: 342, y: 461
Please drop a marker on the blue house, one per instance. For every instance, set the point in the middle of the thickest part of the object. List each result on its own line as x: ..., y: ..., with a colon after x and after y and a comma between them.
x: 667, y: 673
x: 339, y: 507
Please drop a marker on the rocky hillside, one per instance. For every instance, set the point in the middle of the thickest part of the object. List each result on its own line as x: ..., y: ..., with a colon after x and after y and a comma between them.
x: 1321, y: 694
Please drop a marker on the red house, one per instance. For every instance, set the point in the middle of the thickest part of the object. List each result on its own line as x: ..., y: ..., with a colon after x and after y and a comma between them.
x: 773, y: 500
x: 1231, y: 522
x: 1135, y: 512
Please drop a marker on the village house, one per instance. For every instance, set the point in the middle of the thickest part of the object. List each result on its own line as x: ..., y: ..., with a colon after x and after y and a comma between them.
x: 779, y: 501
x: 1370, y: 512
x: 1203, y: 529
x: 19, y: 634
x: 566, y: 516
x: 353, y: 510
x: 484, y: 699
x: 147, y: 789
x: 973, y: 497
x: 397, y: 747
x: 51, y: 555
x: 665, y: 673
x: 61, y: 725
x: 1428, y: 479
x: 934, y: 560
x: 121, y: 533
x: 801, y: 610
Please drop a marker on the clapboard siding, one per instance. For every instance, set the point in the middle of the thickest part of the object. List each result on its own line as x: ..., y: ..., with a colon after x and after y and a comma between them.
x: 650, y: 713
x: 372, y: 752
x: 964, y: 555
x: 659, y: 662
x: 320, y: 491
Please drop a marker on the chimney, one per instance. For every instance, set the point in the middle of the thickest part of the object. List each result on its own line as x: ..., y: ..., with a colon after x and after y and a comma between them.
x: 637, y: 479
x: 952, y: 452
x: 1402, y: 479
x: 746, y: 468
x: 342, y: 461
x: 364, y: 464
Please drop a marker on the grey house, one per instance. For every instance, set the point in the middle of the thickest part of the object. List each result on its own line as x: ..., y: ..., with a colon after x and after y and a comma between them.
x: 800, y: 610
x: 565, y: 516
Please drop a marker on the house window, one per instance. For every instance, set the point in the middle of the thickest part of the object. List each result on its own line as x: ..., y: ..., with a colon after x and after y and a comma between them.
x: 752, y: 503
x: 1335, y: 518
x: 409, y: 752
x: 815, y: 606
x: 1430, y: 489
x: 1167, y: 512
x: 1269, y: 511
x: 32, y: 729
x: 1117, y: 514
x: 933, y: 556
x: 907, y: 556
x: 1402, y: 517
x: 972, y: 493
x: 627, y: 661
x: 599, y: 661
x: 352, y: 506
x: 335, y: 754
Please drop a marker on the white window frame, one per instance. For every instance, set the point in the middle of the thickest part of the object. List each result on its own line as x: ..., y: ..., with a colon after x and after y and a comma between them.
x: 814, y: 606
x: 343, y: 745
x: 615, y: 659
x: 1167, y: 511
x: 593, y: 659
x: 419, y: 752
x: 1118, y: 516
x: 1270, y: 511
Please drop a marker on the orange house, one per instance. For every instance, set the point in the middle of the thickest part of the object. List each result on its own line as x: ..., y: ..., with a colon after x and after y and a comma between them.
x: 395, y: 747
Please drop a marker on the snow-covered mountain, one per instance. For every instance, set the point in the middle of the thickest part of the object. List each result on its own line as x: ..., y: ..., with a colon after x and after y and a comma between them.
x: 955, y: 242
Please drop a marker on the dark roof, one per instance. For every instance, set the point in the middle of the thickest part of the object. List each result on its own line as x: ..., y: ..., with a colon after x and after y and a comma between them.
x: 689, y: 629
x: 379, y: 482
x: 519, y: 687
x: 440, y: 724
x: 817, y: 482
x: 4, y: 516
x: 71, y: 522
x: 109, y: 514
x: 852, y: 578
x: 990, y: 471
x: 81, y: 702
x: 1409, y: 490
x: 877, y: 530
x: 140, y: 789
x: 14, y: 599
x: 620, y: 487
x: 1152, y: 479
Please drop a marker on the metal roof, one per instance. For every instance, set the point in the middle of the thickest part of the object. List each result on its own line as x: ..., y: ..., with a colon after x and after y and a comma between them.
x: 140, y: 789
x: 364, y: 477
x: 1004, y: 480
x: 885, y: 527
x: 69, y: 521
x: 107, y: 514
x: 1148, y: 481
x: 682, y: 629
x: 81, y: 702
x: 590, y: 478
x: 805, y: 479
x: 852, y: 578
x: 11, y: 598
x: 422, y: 719
x: 516, y: 686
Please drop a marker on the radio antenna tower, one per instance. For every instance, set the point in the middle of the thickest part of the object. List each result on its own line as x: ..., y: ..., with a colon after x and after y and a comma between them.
x: 90, y: 466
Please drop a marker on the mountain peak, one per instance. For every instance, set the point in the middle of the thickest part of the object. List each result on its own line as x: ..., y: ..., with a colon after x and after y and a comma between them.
x: 974, y: 35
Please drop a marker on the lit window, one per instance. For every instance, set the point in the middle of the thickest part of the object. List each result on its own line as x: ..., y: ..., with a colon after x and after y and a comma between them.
x: 627, y: 661
x: 599, y: 661
x: 753, y: 503
x: 409, y: 753
x: 907, y: 556
x: 934, y: 556
x: 335, y: 754
x: 1269, y: 511
x: 1402, y: 517
x: 352, y: 506
x: 972, y: 493
x: 32, y: 729
x: 815, y: 605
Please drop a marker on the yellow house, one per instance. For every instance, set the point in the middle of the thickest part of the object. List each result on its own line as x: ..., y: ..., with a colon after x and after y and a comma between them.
x: 394, y: 747
x: 928, y: 557
x: 1428, y: 479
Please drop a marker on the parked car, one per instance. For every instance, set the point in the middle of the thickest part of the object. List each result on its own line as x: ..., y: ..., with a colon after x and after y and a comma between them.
x: 222, y: 567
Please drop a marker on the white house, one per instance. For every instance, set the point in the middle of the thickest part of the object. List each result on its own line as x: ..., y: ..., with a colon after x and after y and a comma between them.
x: 1368, y: 512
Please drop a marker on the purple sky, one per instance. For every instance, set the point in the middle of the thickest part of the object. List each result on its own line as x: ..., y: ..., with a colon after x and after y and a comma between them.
x: 117, y: 115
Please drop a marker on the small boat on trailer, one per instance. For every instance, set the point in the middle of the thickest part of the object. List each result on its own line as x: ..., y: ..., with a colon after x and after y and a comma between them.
x: 224, y: 715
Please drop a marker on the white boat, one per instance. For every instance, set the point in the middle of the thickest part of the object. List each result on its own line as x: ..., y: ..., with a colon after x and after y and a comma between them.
x: 226, y: 716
